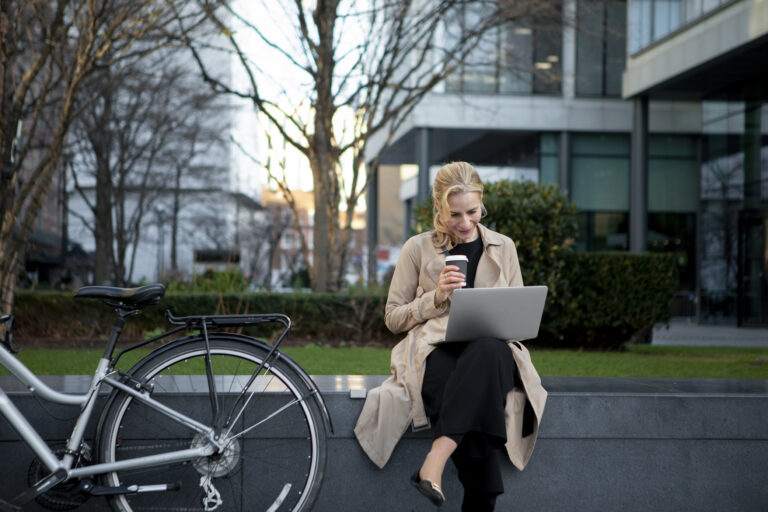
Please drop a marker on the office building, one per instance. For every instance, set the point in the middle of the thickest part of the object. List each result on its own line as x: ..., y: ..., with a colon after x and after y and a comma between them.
x: 649, y: 114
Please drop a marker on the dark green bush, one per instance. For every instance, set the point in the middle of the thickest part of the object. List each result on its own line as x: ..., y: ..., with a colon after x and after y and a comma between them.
x: 608, y: 299
x: 221, y: 281
x: 356, y: 316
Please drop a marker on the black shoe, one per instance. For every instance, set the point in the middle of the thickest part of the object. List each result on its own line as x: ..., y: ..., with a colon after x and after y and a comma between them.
x: 428, y: 489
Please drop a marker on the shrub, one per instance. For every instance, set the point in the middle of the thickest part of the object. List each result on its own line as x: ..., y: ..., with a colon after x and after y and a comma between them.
x: 221, y: 281
x: 608, y: 299
x: 356, y: 316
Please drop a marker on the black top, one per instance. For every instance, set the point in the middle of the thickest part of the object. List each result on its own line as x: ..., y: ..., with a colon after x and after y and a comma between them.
x: 472, y: 250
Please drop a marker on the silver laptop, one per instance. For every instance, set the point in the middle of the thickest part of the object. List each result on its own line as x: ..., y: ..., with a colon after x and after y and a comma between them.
x: 507, y: 313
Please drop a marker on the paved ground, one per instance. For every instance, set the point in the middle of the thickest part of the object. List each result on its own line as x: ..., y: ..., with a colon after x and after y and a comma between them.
x: 684, y: 331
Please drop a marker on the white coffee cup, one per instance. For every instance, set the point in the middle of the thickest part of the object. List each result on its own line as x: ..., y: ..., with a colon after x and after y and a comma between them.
x: 458, y: 260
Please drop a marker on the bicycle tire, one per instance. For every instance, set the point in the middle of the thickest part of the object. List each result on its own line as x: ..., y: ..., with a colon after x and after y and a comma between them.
x: 277, y: 466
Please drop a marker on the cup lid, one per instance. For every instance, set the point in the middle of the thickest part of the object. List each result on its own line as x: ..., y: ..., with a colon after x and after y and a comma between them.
x: 456, y: 257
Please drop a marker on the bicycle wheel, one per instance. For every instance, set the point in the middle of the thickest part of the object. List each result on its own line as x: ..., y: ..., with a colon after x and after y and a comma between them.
x: 276, y: 465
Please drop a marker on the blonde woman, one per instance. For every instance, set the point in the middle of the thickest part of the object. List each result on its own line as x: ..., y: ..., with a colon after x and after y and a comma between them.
x: 481, y: 397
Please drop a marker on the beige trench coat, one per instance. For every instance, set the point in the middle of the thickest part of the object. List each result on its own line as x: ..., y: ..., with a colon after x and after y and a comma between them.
x: 392, y: 407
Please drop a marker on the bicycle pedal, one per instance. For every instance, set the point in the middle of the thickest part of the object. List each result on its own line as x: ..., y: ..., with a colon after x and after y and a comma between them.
x: 40, y: 487
x: 8, y: 507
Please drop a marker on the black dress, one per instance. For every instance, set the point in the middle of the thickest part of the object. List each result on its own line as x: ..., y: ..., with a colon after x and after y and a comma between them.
x: 464, y: 390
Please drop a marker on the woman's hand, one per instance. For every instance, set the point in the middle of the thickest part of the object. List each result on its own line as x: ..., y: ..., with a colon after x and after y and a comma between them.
x: 450, y: 279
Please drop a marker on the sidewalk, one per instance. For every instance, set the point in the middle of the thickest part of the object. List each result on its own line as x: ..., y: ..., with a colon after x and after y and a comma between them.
x: 685, y: 331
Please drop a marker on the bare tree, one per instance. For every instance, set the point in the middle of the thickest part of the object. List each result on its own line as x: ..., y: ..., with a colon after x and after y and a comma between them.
x: 47, y: 51
x: 266, y: 235
x: 358, y: 69
x: 137, y: 141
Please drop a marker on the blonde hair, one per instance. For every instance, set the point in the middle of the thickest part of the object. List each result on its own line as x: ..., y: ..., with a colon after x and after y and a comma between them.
x: 452, y: 178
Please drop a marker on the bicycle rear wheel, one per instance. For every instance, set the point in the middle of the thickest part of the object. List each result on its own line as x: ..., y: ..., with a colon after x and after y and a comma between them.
x: 276, y: 465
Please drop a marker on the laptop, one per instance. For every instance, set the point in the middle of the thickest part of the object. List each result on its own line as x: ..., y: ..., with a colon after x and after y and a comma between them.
x: 506, y: 313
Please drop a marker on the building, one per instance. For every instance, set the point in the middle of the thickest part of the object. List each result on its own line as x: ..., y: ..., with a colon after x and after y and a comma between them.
x: 626, y: 108
x: 713, y: 56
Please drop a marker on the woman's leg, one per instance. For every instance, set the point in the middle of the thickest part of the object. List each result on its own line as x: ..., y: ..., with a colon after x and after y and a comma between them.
x: 434, y: 463
x: 473, y: 403
x: 464, y: 389
x: 479, y: 476
x: 440, y: 365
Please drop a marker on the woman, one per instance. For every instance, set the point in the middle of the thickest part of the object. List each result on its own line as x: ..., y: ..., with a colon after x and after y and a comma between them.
x: 481, y: 396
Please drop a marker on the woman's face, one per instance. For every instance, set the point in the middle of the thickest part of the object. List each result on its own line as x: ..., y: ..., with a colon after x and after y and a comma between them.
x: 464, y: 211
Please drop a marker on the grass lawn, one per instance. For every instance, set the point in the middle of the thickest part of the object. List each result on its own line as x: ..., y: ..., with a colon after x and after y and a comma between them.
x: 636, y: 361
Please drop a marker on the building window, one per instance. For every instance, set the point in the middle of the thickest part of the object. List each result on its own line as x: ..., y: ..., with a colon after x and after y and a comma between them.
x: 600, y: 47
x: 673, y: 200
x: 651, y: 20
x: 522, y: 56
x: 602, y: 231
x: 549, y: 161
x: 600, y: 189
x: 733, y: 277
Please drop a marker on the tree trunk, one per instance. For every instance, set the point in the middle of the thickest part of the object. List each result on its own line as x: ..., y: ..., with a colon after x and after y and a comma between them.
x: 321, y: 248
x: 323, y: 155
x: 175, y: 223
x: 102, y: 223
x: 103, y: 231
x: 8, y: 274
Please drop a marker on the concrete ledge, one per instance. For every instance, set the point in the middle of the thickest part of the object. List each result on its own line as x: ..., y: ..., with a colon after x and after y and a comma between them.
x: 605, y: 444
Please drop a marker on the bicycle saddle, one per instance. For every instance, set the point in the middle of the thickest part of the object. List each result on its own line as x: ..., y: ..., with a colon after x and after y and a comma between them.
x: 131, y: 297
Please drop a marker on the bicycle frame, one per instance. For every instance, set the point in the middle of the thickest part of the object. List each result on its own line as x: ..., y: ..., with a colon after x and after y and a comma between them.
x: 87, y: 402
x: 62, y: 469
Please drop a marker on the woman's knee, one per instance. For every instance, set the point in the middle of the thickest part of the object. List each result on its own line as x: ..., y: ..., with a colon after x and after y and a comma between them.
x: 488, y: 347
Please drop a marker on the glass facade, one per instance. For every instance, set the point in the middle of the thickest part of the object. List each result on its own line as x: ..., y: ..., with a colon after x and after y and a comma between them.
x: 600, y: 47
x: 651, y: 20
x: 600, y: 188
x: 523, y: 56
x: 707, y: 190
x: 733, y: 273
x: 673, y: 202
x: 549, y: 161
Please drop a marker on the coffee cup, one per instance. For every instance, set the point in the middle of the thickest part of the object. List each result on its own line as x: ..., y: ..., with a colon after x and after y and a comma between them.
x: 458, y: 260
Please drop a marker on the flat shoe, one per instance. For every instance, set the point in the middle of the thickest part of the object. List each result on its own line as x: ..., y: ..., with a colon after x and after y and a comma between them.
x: 428, y: 489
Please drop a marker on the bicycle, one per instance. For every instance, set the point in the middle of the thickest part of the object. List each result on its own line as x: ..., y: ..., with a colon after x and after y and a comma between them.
x: 213, y: 420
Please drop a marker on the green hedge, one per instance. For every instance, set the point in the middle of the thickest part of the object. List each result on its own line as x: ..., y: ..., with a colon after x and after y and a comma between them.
x: 603, y: 300
x: 608, y: 299
x: 354, y: 316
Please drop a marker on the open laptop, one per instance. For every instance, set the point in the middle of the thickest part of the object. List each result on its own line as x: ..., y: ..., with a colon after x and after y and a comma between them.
x: 507, y: 313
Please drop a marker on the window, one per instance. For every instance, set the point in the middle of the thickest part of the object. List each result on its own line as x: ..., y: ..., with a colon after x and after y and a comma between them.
x: 521, y: 57
x: 651, y: 20
x: 600, y: 189
x: 549, y: 162
x: 600, y: 47
x: 673, y: 200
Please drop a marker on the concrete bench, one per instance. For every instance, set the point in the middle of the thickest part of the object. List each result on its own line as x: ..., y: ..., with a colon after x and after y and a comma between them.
x: 605, y: 445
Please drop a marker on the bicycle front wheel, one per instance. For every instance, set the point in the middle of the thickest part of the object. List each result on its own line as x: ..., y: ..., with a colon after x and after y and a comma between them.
x: 274, y: 448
